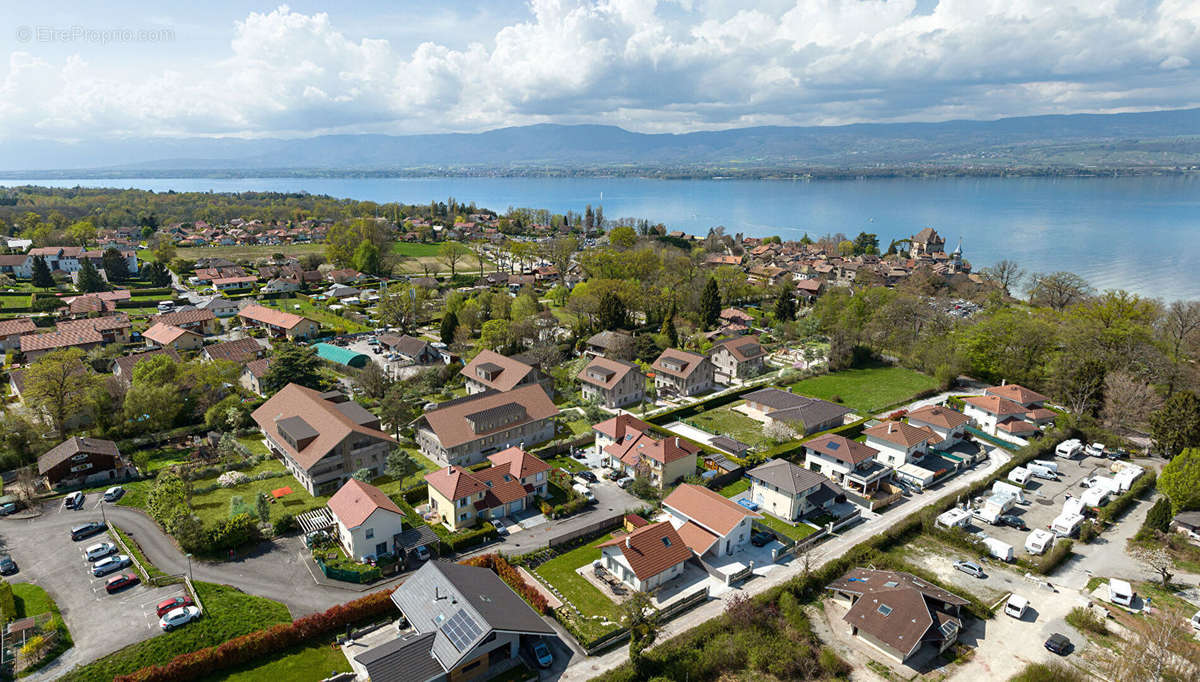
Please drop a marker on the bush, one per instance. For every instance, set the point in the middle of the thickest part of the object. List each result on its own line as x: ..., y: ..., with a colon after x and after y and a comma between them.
x: 8, y: 605
x: 1054, y: 671
x: 283, y: 524
x: 1159, y: 517
x: 1083, y: 618
x: 465, y: 539
x: 1088, y: 531
x: 1054, y: 557
x: 513, y: 579
x: 233, y: 533
x: 241, y: 650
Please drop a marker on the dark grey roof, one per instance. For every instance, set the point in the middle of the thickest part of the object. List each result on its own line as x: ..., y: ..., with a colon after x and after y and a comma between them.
x: 490, y: 367
x: 439, y: 590
x: 828, y: 490
x: 498, y: 412
x: 811, y: 415
x: 728, y: 444
x: 357, y: 413
x: 407, y: 658
x: 786, y: 476
x: 411, y: 538
x: 1188, y: 518
x: 296, y: 428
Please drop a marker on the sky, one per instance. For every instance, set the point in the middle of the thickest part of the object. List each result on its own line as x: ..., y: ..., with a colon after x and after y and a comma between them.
x: 87, y: 70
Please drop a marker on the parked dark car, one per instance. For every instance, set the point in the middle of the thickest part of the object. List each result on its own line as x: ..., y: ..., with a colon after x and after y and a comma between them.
x: 87, y: 530
x: 587, y: 476
x: 760, y: 538
x: 1058, y: 644
x: 1012, y: 522
x: 120, y: 582
x: 8, y: 508
x: 7, y: 565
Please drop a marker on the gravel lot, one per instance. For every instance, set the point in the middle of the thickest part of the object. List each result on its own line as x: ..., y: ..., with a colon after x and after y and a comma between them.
x: 100, y: 623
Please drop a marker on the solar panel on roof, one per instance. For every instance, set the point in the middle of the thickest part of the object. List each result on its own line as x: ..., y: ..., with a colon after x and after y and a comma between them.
x: 461, y: 630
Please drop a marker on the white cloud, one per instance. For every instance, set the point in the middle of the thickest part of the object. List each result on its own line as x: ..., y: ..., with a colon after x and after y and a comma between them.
x: 654, y: 66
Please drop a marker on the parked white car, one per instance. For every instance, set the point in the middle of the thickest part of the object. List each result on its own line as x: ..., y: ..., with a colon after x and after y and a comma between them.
x: 178, y: 617
x: 99, y: 550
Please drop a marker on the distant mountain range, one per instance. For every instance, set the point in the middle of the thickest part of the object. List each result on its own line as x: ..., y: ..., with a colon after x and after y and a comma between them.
x: 1068, y: 143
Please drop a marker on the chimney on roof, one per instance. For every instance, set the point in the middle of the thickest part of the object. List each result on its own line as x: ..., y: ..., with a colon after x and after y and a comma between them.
x: 1003, y: 382
x: 890, y: 425
x: 450, y: 469
x: 627, y: 540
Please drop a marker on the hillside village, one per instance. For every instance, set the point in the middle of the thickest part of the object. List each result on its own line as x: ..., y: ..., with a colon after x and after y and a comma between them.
x: 488, y: 446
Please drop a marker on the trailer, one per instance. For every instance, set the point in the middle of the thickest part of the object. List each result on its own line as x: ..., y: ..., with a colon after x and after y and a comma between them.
x: 1096, y: 496
x: 1001, y: 502
x: 1073, y: 505
x: 987, y: 515
x: 1066, y: 525
x: 1003, y: 488
x: 1125, y: 477
x: 1038, y: 541
x: 1019, y: 475
x: 955, y: 518
x: 1069, y: 449
x: 999, y: 549
x: 1047, y: 463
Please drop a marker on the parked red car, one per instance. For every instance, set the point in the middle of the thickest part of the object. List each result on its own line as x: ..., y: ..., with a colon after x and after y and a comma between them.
x: 171, y: 604
x: 120, y: 581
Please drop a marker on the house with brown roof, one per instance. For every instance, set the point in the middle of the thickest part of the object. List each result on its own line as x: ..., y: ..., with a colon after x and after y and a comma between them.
x: 278, y: 323
x: 950, y: 425
x: 239, y: 351
x: 615, y: 344
x: 34, y: 346
x: 897, y: 613
x: 661, y: 460
x: 366, y: 519
x: 513, y: 483
x: 114, y: 328
x: 1033, y: 402
x: 613, y: 430
x: 848, y: 463
x: 612, y: 383
x: 168, y: 336
x: 12, y: 330
x: 899, y: 443
x: 678, y: 372
x: 646, y: 558
x: 463, y: 432
x: 808, y: 290
x: 83, y: 461
x: 926, y: 243
x: 802, y: 413
x: 198, y: 320
x: 791, y: 492
x: 492, y: 371
x: 253, y: 373
x: 122, y: 367
x: 711, y: 525
x: 322, y: 438
x: 998, y: 416
x: 740, y: 357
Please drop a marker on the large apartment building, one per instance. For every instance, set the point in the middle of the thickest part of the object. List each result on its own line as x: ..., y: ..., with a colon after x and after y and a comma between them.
x: 463, y: 432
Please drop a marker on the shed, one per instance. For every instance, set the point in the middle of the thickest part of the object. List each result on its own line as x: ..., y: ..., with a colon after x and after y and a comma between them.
x: 342, y: 356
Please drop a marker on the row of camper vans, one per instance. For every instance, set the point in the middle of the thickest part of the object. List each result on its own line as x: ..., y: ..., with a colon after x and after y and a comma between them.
x: 1038, y: 468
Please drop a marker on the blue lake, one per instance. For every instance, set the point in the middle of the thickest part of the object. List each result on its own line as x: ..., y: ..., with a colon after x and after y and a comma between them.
x: 1138, y: 233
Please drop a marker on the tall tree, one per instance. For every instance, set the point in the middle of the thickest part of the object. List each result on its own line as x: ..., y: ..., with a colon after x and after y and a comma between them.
x: 453, y: 253
x: 1176, y: 425
x: 41, y: 273
x: 710, y: 305
x: 785, y: 305
x: 639, y: 616
x: 612, y: 313
x: 400, y: 464
x: 1180, y: 480
x: 294, y: 363
x: 366, y: 258
x: 89, y: 277
x: 403, y: 305
x: 115, y: 265
x: 1005, y: 273
x: 449, y: 326
x: 1058, y: 290
x: 159, y: 274
x: 58, y: 384
x: 668, y: 328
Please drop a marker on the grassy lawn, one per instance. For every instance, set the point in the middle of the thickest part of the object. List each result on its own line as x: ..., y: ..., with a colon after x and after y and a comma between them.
x: 797, y: 532
x: 213, y: 507
x: 725, y: 421
x: 566, y: 463
x: 416, y: 250
x: 254, y: 444
x: 867, y: 390
x: 228, y: 614
x: 326, y: 317
x: 739, y: 486
x: 152, y: 571
x: 299, y: 664
x: 31, y: 600
x: 560, y: 572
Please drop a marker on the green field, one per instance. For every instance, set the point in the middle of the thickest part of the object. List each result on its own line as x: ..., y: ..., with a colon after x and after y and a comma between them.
x: 416, y: 250
x: 228, y: 613
x: 867, y: 390
x: 235, y: 253
x: 560, y: 572
x: 797, y: 532
x: 31, y: 600
x: 310, y: 663
x: 327, y: 318
x: 725, y: 421
x: 739, y: 486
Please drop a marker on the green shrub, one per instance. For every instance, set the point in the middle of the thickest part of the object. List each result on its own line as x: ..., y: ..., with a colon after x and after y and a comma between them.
x: 8, y: 605
x: 1054, y: 557
x: 1083, y: 618
x: 1088, y: 531
x: 832, y: 664
x: 1159, y: 516
x: 1055, y: 671
x: 283, y: 524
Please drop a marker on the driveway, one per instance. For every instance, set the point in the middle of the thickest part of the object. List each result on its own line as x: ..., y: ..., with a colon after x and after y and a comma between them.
x: 609, y: 499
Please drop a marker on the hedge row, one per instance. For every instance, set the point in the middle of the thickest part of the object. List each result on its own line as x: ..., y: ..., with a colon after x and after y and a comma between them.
x: 1126, y: 499
x: 249, y: 647
x: 465, y: 539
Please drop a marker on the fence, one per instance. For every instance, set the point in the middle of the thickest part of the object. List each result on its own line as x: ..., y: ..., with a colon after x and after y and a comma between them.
x: 606, y: 523
x: 993, y: 439
x: 617, y: 636
x: 360, y: 577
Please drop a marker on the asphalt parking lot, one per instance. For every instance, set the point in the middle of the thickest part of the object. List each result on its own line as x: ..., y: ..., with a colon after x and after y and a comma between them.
x: 100, y: 623
x: 1045, y: 500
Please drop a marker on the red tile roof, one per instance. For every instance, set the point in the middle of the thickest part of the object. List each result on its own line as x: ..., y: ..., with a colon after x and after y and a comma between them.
x: 511, y: 371
x: 651, y: 549
x: 1016, y: 393
x: 164, y: 334
x: 355, y: 501
x: 688, y: 361
x: 937, y: 415
x: 698, y: 539
x: 842, y: 449
x: 181, y: 317
x: 616, y: 427
x: 716, y: 514
x: 265, y: 315
x: 993, y: 405
x: 60, y: 339
x: 519, y: 462
x: 613, y: 371
x: 899, y: 433
x: 17, y: 325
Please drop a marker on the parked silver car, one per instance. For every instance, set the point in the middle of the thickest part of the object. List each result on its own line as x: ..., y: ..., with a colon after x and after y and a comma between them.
x: 110, y: 565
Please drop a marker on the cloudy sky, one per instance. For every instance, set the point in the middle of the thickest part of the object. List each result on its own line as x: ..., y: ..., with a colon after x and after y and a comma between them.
x: 77, y: 70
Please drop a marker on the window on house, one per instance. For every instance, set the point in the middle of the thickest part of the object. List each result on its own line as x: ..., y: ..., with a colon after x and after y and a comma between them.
x: 884, y: 610
x: 666, y: 542
x: 370, y: 533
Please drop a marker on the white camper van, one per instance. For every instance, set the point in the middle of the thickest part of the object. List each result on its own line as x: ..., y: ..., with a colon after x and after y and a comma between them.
x: 1069, y: 449
x: 1016, y: 606
x: 988, y: 514
x: 1040, y: 471
x: 1120, y: 592
x: 954, y: 518
x: 1003, y: 488
x: 1095, y: 497
x: 1073, y: 505
x: 1066, y: 525
x: 1048, y: 464
x: 999, y: 549
x: 1038, y: 541
x: 1019, y: 475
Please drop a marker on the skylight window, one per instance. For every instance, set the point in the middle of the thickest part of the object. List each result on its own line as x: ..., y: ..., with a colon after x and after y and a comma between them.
x: 885, y: 610
x: 666, y: 542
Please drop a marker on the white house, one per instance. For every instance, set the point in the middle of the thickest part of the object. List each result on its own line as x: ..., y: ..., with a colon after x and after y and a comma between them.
x: 710, y: 524
x: 899, y: 443
x: 648, y: 557
x: 367, y: 520
x: 950, y: 425
x: 848, y: 463
x: 998, y: 416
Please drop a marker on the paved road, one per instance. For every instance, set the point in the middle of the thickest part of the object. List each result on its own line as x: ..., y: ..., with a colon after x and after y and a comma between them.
x: 587, y: 668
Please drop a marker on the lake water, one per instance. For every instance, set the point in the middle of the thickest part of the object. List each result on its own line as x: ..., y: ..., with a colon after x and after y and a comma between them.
x: 1137, y: 233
